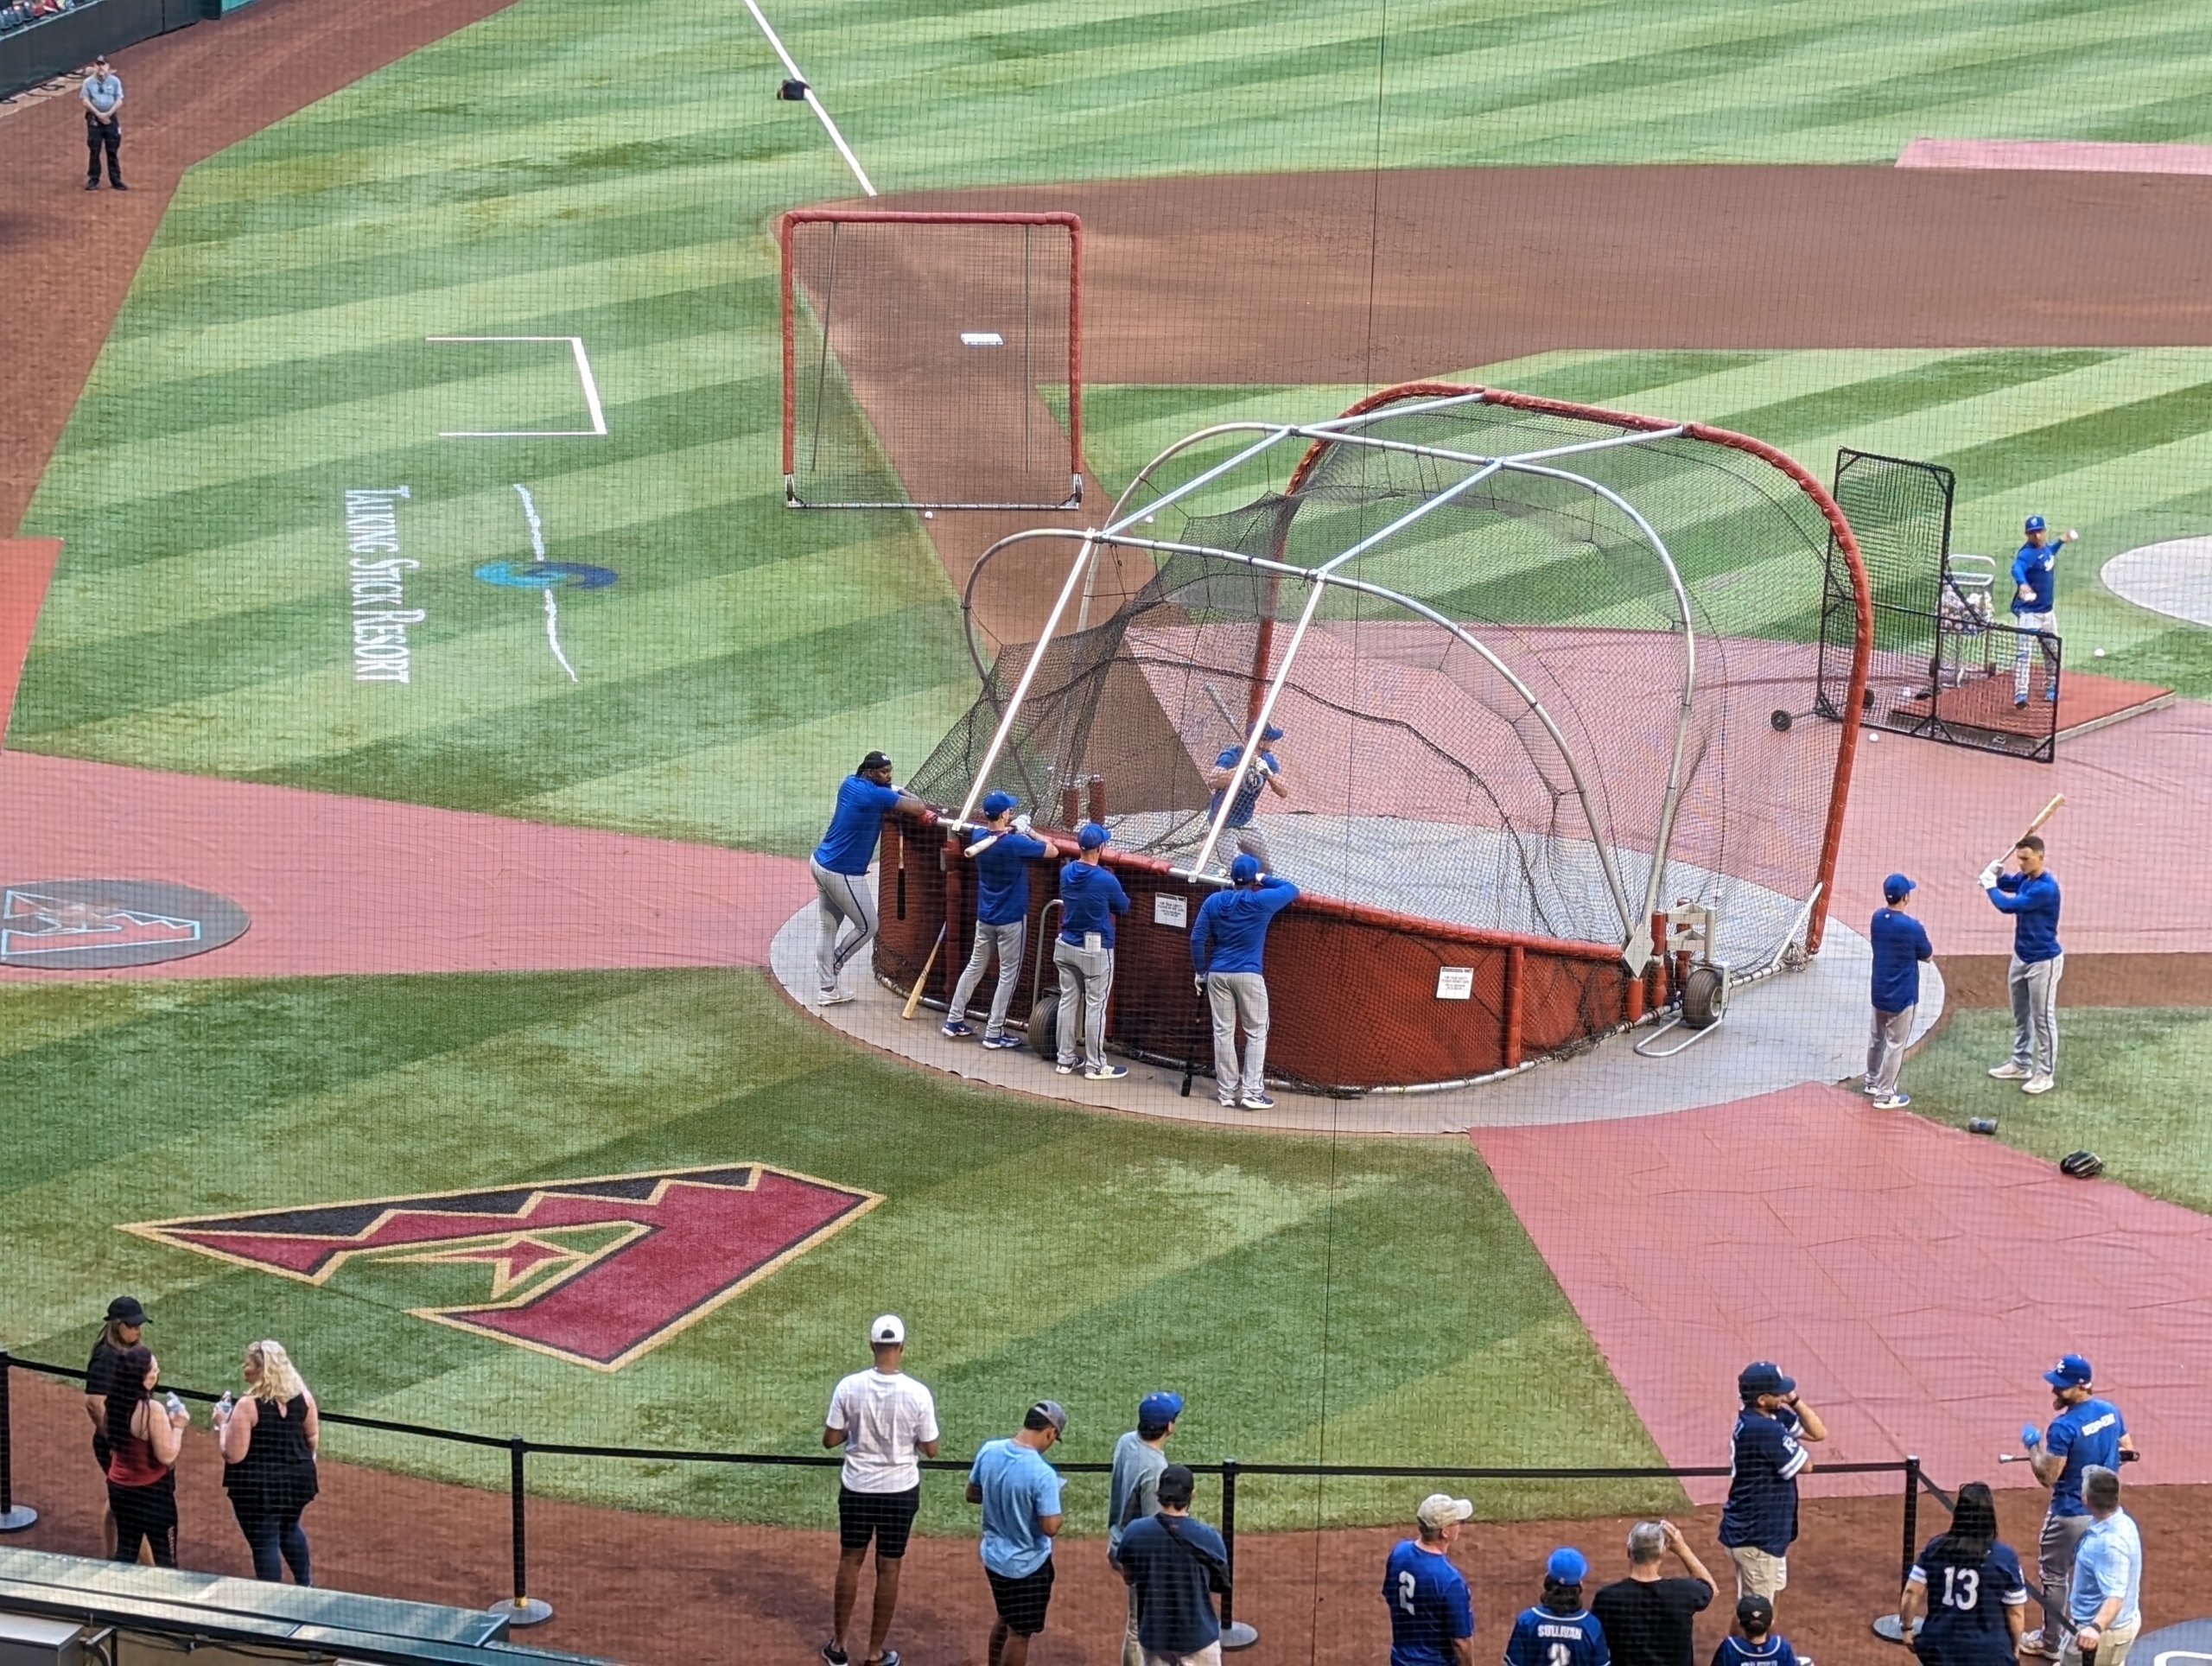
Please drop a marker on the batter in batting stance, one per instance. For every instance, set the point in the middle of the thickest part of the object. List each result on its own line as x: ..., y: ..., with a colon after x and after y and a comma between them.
x: 1968, y: 1587
x: 1001, y: 855
x: 2031, y: 896
x: 2035, y: 601
x: 1759, y: 1522
x: 1265, y: 772
x: 840, y: 867
x: 1228, y: 940
x: 1900, y: 944
x: 2087, y: 1430
x: 1083, y: 954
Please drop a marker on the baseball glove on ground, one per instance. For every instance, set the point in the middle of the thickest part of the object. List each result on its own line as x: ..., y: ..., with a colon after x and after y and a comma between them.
x: 2081, y: 1165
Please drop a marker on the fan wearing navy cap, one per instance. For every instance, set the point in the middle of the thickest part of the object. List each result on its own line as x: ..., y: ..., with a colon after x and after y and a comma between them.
x: 1559, y: 1631
x: 1759, y: 1522
x: 2035, y: 600
x: 1133, y: 1491
x: 1228, y: 946
x: 2087, y: 1430
x: 1083, y: 954
x: 1900, y: 945
x: 1266, y: 771
x: 1432, y: 1617
x: 1001, y: 853
x: 846, y: 902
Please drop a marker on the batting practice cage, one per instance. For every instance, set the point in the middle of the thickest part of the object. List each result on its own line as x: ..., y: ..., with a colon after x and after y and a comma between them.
x: 945, y: 327
x: 1524, y: 657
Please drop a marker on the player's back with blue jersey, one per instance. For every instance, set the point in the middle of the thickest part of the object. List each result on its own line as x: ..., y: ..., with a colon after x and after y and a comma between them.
x: 1965, y: 1605
x: 1429, y: 1606
x: 1541, y: 1638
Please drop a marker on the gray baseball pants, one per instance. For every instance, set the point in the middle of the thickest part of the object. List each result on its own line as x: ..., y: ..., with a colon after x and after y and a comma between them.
x: 1006, y: 941
x: 1885, y: 1050
x: 2030, y: 651
x: 1250, y: 841
x: 1233, y: 997
x: 1086, y: 979
x: 845, y: 902
x: 2034, y: 1013
x: 2062, y: 1534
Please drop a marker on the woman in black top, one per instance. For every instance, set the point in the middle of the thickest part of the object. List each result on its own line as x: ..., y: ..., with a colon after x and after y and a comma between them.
x: 126, y: 1323
x: 269, y: 1441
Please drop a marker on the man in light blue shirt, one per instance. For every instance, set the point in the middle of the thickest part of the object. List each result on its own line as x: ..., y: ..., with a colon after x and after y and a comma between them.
x: 102, y: 96
x: 2105, y: 1604
x: 1021, y: 1496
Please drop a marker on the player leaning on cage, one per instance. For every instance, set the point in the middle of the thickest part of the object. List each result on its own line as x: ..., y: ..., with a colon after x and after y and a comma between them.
x: 1002, y: 854
x: 1266, y: 771
x: 839, y: 865
x: 1228, y: 946
x: 2030, y: 894
x: 2035, y: 601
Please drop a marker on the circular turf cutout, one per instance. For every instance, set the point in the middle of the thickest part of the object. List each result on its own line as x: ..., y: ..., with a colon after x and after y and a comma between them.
x: 545, y: 576
x: 74, y: 926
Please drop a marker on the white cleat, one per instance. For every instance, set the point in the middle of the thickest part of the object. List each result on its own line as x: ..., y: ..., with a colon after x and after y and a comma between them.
x: 2038, y: 1085
x: 834, y: 998
x: 2008, y: 1071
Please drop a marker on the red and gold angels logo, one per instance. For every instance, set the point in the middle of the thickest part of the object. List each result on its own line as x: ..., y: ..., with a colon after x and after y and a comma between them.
x: 598, y: 1271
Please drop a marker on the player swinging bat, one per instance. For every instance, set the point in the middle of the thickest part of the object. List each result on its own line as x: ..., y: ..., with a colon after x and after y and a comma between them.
x: 1266, y: 771
x: 2030, y: 894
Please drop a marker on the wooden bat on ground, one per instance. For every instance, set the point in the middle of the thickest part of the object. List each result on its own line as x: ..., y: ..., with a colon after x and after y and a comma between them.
x: 914, y: 995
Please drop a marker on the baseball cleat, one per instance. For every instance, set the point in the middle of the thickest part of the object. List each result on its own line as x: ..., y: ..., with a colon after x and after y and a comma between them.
x: 835, y: 998
x: 1893, y: 1102
x: 2038, y: 1085
x: 1001, y: 1040
x: 1106, y: 1073
x: 2008, y: 1071
x: 1258, y: 1101
x: 954, y: 1029
x: 1064, y: 1069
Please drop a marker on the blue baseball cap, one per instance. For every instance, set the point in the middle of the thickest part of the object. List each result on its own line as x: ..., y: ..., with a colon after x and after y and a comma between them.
x: 1895, y: 888
x: 1090, y: 835
x: 1244, y: 869
x: 999, y: 803
x: 2071, y: 1372
x: 1158, y: 1408
x: 1566, y: 1566
x: 1271, y: 732
x: 1764, y: 1376
x: 2035, y: 522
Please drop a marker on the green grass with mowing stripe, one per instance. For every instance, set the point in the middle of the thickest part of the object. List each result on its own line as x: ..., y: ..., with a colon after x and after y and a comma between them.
x: 1033, y: 1249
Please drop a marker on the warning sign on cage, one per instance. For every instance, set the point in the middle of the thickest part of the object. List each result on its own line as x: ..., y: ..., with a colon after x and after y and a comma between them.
x: 1455, y: 983
x: 1172, y: 911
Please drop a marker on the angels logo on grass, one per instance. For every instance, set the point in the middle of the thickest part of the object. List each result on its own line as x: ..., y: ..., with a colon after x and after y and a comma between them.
x: 90, y: 925
x: 596, y: 1271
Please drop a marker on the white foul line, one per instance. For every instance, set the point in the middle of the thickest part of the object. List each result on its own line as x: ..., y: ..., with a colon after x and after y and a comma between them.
x: 552, y: 613
x: 598, y: 428
x: 813, y: 103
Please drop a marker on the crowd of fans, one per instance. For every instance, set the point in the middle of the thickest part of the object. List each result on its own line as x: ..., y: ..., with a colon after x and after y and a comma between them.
x: 20, y: 13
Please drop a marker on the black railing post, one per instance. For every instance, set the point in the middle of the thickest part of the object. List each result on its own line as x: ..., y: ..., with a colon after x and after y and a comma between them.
x: 1912, y: 1517
x: 14, y: 1518
x: 1235, y: 1633
x: 523, y: 1609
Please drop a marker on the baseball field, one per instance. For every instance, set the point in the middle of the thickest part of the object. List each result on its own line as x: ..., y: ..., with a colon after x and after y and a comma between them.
x: 492, y: 295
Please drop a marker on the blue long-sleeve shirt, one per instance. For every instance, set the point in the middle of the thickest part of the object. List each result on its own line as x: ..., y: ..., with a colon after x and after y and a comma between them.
x: 1230, y: 933
x: 1002, y: 878
x: 850, y: 845
x: 1900, y: 944
x: 1090, y: 896
x: 2033, y: 905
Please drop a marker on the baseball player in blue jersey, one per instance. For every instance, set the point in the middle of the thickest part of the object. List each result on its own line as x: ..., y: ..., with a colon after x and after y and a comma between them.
x: 1767, y: 1454
x: 1966, y: 1590
x: 2035, y: 601
x: 2087, y: 1431
x: 1001, y: 853
x: 1229, y: 941
x: 1432, y: 1616
x: 1266, y: 771
x: 1559, y: 1631
x: 2031, y: 896
x: 1083, y: 954
x: 1900, y: 945
x: 840, y: 864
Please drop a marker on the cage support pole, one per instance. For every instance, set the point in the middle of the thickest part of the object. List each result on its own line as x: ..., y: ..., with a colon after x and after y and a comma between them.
x: 523, y: 1609
x: 1235, y: 1633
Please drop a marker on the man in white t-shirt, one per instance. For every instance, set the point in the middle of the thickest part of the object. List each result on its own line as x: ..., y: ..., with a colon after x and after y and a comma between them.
x: 882, y: 1417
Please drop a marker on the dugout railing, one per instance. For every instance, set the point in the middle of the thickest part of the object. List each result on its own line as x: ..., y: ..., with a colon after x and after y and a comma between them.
x: 525, y: 1605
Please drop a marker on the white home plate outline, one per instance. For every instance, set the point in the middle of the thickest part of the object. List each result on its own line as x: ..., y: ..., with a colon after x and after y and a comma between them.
x: 598, y: 428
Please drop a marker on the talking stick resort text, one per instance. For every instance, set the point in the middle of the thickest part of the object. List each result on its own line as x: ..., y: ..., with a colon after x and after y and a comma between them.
x: 380, y: 650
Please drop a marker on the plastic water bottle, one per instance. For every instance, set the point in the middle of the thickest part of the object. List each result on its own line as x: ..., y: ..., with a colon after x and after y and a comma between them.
x: 223, y: 1408
x: 175, y: 1404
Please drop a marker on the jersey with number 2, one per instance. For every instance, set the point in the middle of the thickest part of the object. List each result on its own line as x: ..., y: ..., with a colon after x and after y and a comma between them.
x: 1965, y: 1605
x: 1429, y: 1606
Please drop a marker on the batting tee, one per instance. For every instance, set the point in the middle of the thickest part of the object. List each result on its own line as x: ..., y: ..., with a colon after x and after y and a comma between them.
x: 924, y: 355
x: 1523, y: 653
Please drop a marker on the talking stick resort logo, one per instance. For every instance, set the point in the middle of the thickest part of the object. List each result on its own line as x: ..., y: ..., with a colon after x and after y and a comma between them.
x: 381, y: 651
x: 598, y: 1271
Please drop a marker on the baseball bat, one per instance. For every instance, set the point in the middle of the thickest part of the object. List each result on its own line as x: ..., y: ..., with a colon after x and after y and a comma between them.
x: 2042, y: 815
x: 914, y: 995
x: 1221, y: 706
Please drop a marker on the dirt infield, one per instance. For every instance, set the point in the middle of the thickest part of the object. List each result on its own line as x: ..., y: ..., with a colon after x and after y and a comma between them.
x: 615, y: 1578
x: 70, y: 255
x: 2091, y: 981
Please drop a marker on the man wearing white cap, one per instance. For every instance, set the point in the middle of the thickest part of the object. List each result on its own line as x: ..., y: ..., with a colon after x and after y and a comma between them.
x: 882, y: 1417
x: 1432, y: 1617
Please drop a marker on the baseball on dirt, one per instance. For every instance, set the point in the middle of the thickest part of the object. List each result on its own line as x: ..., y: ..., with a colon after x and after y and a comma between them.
x: 929, y: 514
x: 1873, y: 738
